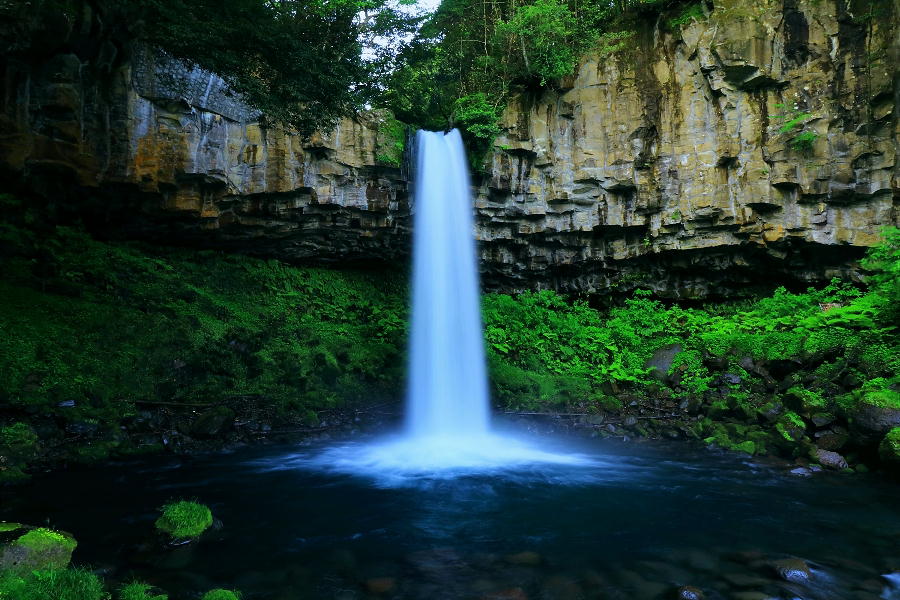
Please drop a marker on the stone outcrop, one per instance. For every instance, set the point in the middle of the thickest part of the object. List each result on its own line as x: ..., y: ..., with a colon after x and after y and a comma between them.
x: 659, y: 165
x: 663, y: 164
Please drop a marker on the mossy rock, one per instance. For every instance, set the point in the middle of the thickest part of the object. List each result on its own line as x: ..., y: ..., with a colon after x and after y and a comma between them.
x: 889, y: 449
x: 220, y: 594
x: 875, y: 414
x: 184, y: 520
x: 37, y: 549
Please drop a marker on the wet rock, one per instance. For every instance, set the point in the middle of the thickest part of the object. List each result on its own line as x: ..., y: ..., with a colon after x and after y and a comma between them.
x: 831, y: 440
x: 527, y: 558
x: 630, y: 421
x: 34, y: 549
x: 831, y: 460
x: 801, y: 472
x: 794, y: 570
x: 687, y: 592
x: 380, y: 585
x: 822, y: 419
x: 873, y: 417
x: 212, y: 423
x: 661, y: 361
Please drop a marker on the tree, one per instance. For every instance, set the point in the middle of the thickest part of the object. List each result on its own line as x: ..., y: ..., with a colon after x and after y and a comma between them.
x: 304, y: 63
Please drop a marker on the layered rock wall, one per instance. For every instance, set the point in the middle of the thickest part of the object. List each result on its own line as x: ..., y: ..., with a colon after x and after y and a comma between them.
x: 658, y: 165
x: 663, y: 164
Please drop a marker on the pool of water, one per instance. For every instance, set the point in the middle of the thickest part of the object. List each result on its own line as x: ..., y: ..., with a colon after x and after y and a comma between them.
x: 625, y: 520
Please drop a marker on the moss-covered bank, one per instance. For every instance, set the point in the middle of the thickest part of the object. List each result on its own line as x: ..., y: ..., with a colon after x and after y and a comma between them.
x: 112, y: 348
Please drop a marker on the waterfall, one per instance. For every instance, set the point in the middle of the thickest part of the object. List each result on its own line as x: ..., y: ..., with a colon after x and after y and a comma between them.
x: 447, y: 394
x: 447, y: 431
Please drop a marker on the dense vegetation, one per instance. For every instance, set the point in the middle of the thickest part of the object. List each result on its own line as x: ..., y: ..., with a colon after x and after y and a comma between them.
x: 97, y: 338
x: 471, y: 55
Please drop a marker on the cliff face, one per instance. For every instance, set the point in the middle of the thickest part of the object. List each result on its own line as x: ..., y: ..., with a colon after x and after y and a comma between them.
x: 660, y: 165
x: 663, y: 164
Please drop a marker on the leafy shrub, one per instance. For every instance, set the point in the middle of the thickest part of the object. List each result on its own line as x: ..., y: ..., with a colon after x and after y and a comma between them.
x: 184, y: 519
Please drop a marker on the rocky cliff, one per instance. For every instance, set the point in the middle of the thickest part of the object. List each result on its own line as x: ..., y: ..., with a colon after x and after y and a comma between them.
x: 661, y: 163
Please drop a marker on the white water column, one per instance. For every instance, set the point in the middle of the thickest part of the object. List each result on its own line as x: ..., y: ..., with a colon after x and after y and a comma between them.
x: 447, y: 394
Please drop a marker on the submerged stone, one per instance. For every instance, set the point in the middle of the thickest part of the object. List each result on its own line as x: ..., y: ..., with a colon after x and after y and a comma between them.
x: 794, y: 570
x: 687, y: 592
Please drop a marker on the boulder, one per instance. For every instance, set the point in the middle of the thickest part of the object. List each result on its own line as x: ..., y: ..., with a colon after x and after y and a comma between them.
x: 212, y: 423
x: 794, y: 570
x: 687, y: 592
x: 661, y: 361
x: 875, y: 414
x: 25, y: 549
x: 829, y: 459
x: 889, y: 449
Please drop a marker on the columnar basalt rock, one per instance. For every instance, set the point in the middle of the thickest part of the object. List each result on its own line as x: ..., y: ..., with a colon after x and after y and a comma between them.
x: 661, y: 165
x: 664, y: 164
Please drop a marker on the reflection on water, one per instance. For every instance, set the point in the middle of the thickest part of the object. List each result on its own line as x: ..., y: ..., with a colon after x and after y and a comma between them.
x: 617, y: 521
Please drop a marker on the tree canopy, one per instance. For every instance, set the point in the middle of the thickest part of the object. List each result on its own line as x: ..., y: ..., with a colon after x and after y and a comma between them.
x: 304, y: 63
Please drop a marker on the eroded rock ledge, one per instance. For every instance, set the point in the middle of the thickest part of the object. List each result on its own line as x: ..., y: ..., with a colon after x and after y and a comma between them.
x: 660, y: 166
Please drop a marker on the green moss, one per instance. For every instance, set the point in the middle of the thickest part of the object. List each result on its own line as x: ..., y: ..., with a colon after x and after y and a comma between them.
x: 138, y: 590
x: 791, y: 427
x: 889, y: 449
x: 42, y: 540
x: 220, y: 594
x: 885, y: 398
x: 746, y: 446
x: 184, y: 519
x: 18, y: 441
x: 5, y: 527
x: 61, y: 584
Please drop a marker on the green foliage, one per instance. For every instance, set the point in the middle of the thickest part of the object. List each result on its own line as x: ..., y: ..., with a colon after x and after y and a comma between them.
x: 184, y: 519
x: 137, y: 590
x: 542, y: 31
x: 18, y: 441
x: 498, y: 48
x: 391, y: 141
x: 478, y: 116
x: 793, y: 124
x: 302, y: 62
x: 220, y: 594
x: 690, y: 13
x: 90, y: 329
x: 889, y: 449
x: 61, y: 584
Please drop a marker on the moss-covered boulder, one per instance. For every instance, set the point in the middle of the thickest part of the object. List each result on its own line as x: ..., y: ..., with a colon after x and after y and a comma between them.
x: 184, y: 520
x: 889, y: 449
x: 35, y: 549
x: 220, y: 594
x: 875, y: 413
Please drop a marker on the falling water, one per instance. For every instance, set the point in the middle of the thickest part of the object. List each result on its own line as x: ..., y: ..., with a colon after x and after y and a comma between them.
x: 447, y: 430
x: 448, y: 394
